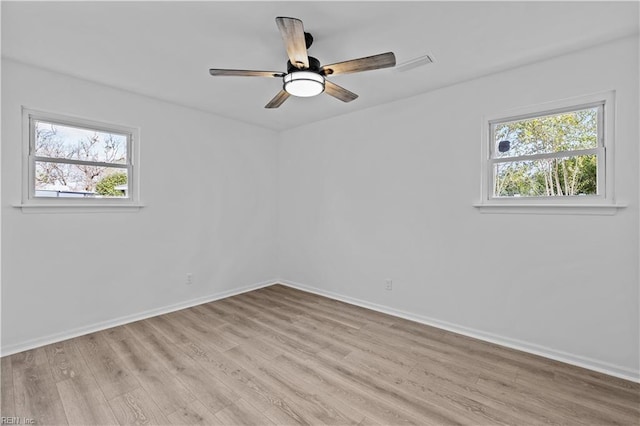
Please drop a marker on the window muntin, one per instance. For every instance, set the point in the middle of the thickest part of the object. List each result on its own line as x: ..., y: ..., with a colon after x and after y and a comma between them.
x: 557, y: 154
x: 78, y: 160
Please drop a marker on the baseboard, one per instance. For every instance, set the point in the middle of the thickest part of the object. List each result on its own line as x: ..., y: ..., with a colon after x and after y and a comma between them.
x: 577, y: 360
x: 103, y: 325
x: 568, y: 358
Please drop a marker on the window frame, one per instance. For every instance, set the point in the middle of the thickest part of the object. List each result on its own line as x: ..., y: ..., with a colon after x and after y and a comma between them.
x: 29, y: 198
x: 604, y: 151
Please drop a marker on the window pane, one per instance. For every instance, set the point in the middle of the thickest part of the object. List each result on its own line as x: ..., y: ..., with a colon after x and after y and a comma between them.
x: 552, y: 133
x: 72, y: 180
x: 547, y: 177
x: 62, y: 141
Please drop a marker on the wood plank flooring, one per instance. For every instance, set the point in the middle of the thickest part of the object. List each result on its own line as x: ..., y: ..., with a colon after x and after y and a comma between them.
x: 279, y: 356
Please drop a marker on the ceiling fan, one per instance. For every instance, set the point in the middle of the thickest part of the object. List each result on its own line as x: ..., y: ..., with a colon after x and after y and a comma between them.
x: 305, y: 77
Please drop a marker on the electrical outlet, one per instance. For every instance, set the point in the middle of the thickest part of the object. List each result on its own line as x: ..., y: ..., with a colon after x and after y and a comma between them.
x: 189, y: 279
x: 388, y: 285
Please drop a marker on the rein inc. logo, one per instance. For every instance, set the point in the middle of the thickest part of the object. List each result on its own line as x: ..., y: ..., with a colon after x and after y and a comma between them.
x: 17, y: 421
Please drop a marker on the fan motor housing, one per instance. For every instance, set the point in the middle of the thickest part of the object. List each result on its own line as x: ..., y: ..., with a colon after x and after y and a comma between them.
x: 314, y: 66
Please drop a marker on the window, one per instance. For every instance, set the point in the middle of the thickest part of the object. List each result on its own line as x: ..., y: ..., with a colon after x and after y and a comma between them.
x: 558, y: 154
x: 78, y: 162
x: 548, y: 155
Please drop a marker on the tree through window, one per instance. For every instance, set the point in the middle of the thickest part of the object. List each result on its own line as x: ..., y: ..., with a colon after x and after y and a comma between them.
x: 548, y: 155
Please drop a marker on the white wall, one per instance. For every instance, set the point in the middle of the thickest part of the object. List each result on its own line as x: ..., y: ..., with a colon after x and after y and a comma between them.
x: 387, y: 193
x: 337, y: 206
x: 209, y: 186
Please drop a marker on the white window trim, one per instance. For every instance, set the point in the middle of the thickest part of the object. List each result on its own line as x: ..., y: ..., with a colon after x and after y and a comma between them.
x: 32, y: 204
x: 604, y: 203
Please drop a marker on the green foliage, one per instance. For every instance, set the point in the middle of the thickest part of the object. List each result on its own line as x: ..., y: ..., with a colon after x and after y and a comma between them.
x: 570, y: 175
x: 106, y: 185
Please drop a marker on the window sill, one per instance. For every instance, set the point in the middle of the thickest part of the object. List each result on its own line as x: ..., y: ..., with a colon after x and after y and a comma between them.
x: 78, y: 208
x: 532, y: 208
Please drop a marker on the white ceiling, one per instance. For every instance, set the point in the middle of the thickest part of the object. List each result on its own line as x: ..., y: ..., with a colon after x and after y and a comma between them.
x: 165, y: 49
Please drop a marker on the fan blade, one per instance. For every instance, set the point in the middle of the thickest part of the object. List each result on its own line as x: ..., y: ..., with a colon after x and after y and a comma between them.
x: 292, y: 33
x: 383, y: 60
x: 278, y: 100
x: 245, y: 73
x: 338, y: 92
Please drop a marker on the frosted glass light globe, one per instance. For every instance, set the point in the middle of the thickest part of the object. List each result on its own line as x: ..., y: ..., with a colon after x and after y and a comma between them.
x: 303, y: 83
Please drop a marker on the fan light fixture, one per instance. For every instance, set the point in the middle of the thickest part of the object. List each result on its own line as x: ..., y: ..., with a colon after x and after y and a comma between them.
x: 303, y: 83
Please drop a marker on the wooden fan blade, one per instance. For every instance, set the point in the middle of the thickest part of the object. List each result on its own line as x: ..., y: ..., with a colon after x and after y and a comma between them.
x: 338, y: 92
x: 383, y: 60
x: 278, y: 100
x: 292, y: 33
x: 245, y: 73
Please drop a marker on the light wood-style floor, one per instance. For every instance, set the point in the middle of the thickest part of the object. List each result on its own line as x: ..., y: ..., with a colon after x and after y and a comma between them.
x: 283, y: 356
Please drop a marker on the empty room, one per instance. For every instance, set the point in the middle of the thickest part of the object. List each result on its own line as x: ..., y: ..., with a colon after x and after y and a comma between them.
x: 320, y: 213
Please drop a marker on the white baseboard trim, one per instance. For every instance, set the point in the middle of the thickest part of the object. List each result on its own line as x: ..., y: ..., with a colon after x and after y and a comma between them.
x: 103, y: 325
x: 577, y: 360
x: 568, y: 358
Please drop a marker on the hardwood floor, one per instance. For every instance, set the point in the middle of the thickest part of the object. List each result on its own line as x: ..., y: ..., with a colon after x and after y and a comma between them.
x: 279, y: 356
